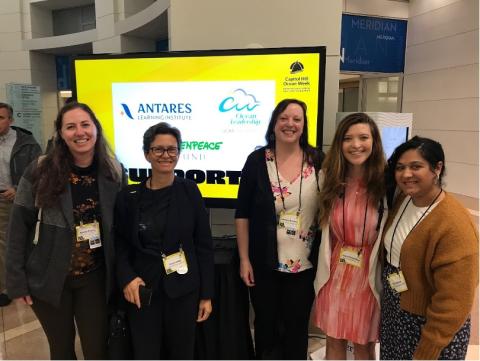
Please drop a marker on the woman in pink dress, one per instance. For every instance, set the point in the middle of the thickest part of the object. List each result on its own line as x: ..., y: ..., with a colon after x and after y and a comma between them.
x: 348, y: 282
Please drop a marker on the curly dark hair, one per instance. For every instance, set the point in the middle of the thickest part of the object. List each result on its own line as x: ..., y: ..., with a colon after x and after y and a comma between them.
x: 53, y: 171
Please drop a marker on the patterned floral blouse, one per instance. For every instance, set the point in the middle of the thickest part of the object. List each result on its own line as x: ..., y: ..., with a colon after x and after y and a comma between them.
x: 86, y: 209
x: 294, y: 250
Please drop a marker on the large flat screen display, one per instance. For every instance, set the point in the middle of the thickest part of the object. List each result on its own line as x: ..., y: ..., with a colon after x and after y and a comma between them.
x: 220, y: 100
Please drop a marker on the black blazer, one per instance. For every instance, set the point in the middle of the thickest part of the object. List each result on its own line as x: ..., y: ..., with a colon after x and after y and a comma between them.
x: 187, y: 224
x: 256, y: 203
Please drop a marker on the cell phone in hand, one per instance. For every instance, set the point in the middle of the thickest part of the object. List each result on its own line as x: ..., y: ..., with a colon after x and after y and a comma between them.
x: 145, y: 294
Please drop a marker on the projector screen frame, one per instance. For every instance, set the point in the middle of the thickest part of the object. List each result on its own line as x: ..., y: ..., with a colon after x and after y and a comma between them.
x: 321, y: 50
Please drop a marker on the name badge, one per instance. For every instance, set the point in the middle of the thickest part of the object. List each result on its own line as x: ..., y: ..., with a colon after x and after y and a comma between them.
x: 290, y: 222
x: 175, y: 262
x: 89, y: 232
x: 397, y: 281
x: 351, y: 256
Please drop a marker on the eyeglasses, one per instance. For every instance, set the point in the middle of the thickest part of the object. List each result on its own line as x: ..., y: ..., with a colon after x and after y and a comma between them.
x: 159, y: 151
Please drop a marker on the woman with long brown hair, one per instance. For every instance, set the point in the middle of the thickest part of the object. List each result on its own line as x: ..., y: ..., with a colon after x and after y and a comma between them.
x: 60, y: 248
x: 347, y: 282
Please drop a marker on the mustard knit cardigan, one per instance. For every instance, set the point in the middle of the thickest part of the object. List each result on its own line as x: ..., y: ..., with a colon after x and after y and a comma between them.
x: 439, y: 260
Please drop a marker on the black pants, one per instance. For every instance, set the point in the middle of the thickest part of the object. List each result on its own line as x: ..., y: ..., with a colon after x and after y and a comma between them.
x: 282, y: 304
x: 165, y: 330
x: 83, y: 299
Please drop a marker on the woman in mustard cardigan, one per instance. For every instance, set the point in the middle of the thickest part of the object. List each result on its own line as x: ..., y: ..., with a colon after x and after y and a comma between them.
x: 431, y: 268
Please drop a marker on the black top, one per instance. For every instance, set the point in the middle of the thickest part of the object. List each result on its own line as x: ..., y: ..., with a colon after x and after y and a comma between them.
x: 153, y: 218
x: 255, y: 202
x: 86, y: 209
x: 186, y: 224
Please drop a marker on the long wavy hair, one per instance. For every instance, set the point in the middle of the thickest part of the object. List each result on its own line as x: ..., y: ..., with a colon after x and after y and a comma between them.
x: 311, y: 154
x: 53, y: 171
x: 335, y: 166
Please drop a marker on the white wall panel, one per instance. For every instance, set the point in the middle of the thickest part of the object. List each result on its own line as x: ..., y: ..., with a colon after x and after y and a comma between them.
x: 448, y: 114
x: 441, y: 84
x: 462, y: 179
x: 391, y: 9
x: 14, y: 60
x: 270, y: 23
x: 457, y: 50
x: 418, y: 7
x: 459, y: 82
x: 103, y: 8
x: 11, y: 41
x: 10, y: 6
x: 456, y: 18
x: 10, y: 23
x: 460, y: 147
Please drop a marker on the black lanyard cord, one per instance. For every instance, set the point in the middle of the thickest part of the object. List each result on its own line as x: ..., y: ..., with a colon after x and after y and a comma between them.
x: 364, y: 220
x: 280, y: 184
x: 416, y: 223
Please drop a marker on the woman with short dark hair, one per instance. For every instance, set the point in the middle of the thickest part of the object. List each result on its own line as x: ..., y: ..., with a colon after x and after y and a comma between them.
x: 60, y: 252
x: 431, y: 264
x: 164, y: 253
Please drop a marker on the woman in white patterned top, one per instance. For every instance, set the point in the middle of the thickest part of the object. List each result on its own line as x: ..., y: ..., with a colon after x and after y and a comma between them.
x: 276, y: 233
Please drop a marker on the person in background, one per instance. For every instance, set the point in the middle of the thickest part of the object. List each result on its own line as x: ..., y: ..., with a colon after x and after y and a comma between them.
x: 164, y: 253
x: 18, y: 148
x: 60, y: 254
x: 347, y: 284
x: 431, y: 264
x: 276, y: 232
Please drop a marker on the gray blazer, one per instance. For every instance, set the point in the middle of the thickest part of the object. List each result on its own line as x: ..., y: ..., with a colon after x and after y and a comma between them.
x: 40, y: 269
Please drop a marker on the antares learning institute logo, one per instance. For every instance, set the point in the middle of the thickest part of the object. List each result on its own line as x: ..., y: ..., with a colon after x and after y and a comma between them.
x: 158, y: 111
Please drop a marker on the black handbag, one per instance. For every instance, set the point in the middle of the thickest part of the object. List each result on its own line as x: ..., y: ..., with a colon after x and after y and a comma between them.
x: 119, y: 344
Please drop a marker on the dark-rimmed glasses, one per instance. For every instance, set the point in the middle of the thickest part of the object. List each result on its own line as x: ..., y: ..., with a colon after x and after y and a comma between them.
x: 159, y: 151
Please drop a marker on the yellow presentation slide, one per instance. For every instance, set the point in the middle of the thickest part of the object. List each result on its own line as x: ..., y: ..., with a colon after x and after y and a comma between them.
x: 221, y: 103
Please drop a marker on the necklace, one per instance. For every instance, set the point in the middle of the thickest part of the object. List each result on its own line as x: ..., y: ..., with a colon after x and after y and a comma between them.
x: 280, y: 184
x: 416, y: 223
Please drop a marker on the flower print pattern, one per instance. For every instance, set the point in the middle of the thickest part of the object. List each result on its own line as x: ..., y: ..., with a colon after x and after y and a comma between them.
x: 293, y: 249
x: 308, y: 236
x: 276, y: 191
x: 86, y: 209
x: 290, y: 266
x: 85, y: 180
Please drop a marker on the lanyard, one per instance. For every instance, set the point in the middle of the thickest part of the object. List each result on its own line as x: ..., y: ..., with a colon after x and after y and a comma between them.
x: 416, y: 223
x: 280, y: 184
x: 364, y: 219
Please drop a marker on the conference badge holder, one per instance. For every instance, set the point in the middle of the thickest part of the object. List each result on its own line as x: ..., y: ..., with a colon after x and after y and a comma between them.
x: 175, y: 262
x: 89, y: 232
x: 351, y: 255
x: 397, y: 281
x: 290, y: 221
